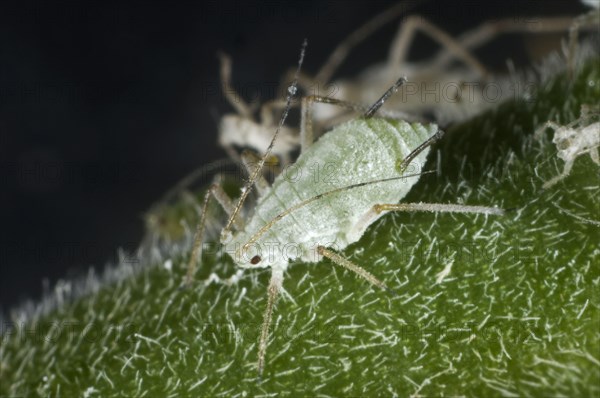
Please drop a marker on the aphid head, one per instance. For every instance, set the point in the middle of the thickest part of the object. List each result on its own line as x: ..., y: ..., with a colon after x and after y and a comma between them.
x: 562, y: 138
x: 248, y: 256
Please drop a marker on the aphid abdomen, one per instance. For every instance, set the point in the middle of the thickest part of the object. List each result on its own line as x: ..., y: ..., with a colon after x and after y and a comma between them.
x: 357, y: 151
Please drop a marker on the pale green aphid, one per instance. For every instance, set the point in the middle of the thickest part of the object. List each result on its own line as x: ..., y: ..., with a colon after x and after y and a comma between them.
x: 366, y: 165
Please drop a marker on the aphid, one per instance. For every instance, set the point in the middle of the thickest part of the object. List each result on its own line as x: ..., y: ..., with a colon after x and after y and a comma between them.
x: 308, y: 218
x: 573, y: 140
x: 242, y: 130
x: 449, y: 93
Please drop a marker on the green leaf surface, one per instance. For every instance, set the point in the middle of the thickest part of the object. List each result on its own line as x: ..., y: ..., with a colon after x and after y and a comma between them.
x: 487, y: 305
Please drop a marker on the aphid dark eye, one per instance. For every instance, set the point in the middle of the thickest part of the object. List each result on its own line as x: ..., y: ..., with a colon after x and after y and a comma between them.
x: 255, y: 260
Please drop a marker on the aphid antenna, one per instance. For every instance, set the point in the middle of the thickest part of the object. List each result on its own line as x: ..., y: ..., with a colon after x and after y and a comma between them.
x: 292, y: 89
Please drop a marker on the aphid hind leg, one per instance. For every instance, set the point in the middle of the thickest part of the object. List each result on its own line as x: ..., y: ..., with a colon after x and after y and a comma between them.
x: 275, y: 286
x: 374, y: 213
x: 219, y: 194
x: 438, y: 208
x: 414, y: 23
x: 358, y: 270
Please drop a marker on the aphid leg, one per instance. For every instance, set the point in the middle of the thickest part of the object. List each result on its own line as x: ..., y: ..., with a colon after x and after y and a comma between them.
x: 566, y: 170
x: 292, y: 90
x: 487, y: 31
x: 554, y: 126
x: 358, y: 270
x: 251, y: 161
x: 591, y: 19
x: 409, y: 27
x: 587, y: 111
x: 234, y: 99
x: 341, y: 51
x: 306, y: 127
x: 230, y: 94
x: 595, y: 156
x: 339, y: 54
x: 275, y: 285
x: 376, y: 210
x: 222, y: 198
x: 438, y: 208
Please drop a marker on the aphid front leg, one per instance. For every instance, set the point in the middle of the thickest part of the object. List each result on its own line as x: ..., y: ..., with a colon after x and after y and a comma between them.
x: 225, y: 202
x: 358, y: 270
x: 275, y: 285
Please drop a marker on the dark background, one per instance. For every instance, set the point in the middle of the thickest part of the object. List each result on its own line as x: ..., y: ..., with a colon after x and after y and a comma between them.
x: 104, y: 106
